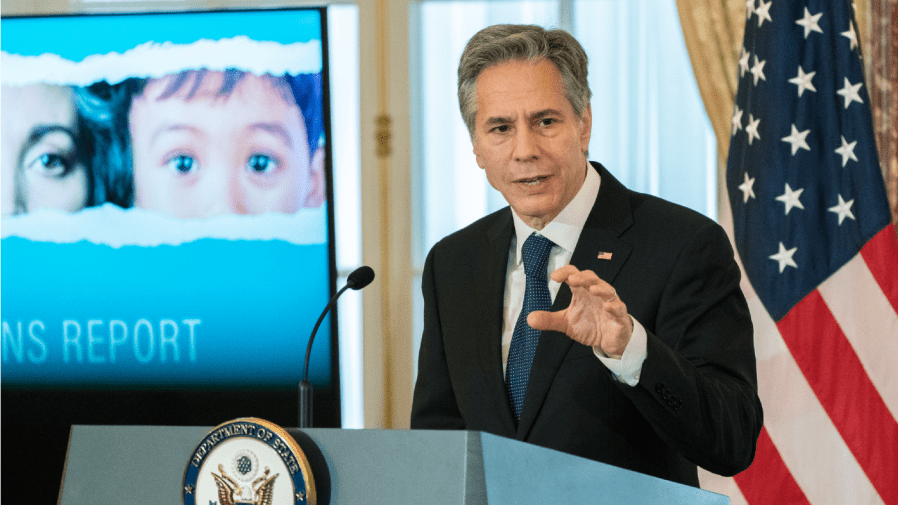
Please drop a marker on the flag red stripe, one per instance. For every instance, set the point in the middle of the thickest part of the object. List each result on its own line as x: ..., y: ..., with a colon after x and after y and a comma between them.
x: 837, y: 377
x: 881, y: 256
x: 768, y: 480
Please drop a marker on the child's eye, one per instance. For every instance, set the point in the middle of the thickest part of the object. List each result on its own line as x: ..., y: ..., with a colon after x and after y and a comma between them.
x: 182, y: 164
x: 51, y: 165
x: 261, y: 164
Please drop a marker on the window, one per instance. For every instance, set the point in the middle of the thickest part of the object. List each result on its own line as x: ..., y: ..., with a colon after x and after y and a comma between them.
x: 343, y: 27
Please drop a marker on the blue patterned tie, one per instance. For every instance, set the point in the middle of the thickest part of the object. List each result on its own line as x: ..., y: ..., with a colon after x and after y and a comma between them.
x: 523, y: 341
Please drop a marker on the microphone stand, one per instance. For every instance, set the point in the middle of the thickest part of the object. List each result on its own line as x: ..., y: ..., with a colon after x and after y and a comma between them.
x: 305, y: 386
x: 358, y: 279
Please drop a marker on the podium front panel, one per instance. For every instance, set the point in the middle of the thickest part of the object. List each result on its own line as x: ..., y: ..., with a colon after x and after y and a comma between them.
x: 145, y: 465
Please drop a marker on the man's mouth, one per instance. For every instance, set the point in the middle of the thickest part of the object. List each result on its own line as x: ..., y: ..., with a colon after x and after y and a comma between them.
x: 533, y: 181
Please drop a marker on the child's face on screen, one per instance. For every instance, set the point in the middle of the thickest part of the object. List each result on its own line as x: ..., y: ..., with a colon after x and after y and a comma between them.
x: 242, y: 152
x: 41, y: 167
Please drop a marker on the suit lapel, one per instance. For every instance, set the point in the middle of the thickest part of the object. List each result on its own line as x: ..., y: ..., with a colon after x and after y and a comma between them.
x: 610, y: 216
x: 489, y: 351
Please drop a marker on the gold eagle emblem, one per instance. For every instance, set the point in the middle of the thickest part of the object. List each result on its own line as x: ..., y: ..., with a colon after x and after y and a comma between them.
x: 261, y: 491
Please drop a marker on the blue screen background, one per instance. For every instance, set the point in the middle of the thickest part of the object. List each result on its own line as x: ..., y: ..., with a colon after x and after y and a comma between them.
x: 208, y: 313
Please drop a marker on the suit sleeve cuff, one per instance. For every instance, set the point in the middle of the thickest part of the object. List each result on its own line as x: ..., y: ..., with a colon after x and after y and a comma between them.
x: 628, y: 368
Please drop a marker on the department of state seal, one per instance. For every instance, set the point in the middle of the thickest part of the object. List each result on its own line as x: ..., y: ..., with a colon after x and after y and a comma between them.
x: 248, y: 461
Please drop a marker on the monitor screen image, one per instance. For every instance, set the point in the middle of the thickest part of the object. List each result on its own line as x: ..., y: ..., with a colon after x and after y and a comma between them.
x: 164, y: 200
x: 166, y: 225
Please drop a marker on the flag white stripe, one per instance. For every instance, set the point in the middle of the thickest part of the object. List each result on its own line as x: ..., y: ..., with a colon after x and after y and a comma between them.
x: 869, y: 322
x: 721, y: 485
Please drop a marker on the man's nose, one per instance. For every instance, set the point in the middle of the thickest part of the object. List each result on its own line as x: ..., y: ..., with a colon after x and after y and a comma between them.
x: 526, y: 145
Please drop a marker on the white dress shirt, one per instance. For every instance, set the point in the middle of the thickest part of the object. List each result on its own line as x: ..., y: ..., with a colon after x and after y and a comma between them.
x: 564, y: 231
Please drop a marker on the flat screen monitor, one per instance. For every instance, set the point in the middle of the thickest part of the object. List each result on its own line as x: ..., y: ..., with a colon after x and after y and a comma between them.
x: 167, y: 222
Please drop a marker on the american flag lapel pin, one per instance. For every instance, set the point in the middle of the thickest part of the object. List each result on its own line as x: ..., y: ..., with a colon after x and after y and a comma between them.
x: 604, y: 255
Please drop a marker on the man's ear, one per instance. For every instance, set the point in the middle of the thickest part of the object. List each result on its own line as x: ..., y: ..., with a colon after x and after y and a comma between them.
x: 586, y: 128
x: 316, y: 195
x: 476, y: 150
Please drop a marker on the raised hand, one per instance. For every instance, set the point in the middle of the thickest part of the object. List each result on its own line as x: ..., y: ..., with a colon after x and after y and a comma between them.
x: 596, y: 316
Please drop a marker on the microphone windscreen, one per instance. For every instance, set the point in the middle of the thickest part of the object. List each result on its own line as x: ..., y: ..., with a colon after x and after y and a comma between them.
x: 360, y: 277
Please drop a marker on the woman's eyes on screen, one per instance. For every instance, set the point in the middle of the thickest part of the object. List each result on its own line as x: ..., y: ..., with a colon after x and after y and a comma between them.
x: 50, y: 163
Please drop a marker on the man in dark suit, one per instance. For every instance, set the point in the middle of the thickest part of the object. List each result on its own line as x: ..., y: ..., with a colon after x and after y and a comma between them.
x: 646, y: 359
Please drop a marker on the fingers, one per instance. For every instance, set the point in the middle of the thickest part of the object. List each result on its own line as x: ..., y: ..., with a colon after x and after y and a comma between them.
x: 547, y: 321
x: 585, y: 279
x: 576, y: 278
x: 604, y: 291
x: 596, y: 316
x: 561, y: 274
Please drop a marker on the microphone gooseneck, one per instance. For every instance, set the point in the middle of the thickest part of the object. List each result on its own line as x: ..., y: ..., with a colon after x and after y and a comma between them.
x: 358, y: 279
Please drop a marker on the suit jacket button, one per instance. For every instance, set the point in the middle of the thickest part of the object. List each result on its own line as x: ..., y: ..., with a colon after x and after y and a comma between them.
x: 659, y: 387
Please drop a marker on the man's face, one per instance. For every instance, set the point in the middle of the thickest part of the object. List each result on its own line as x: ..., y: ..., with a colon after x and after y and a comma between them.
x: 529, y: 140
x: 40, y: 158
x: 242, y: 153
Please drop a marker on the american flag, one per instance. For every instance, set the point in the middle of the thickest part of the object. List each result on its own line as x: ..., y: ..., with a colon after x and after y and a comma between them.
x: 812, y: 229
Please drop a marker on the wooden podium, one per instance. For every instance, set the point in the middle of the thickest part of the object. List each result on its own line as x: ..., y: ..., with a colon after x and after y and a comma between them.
x: 145, y: 465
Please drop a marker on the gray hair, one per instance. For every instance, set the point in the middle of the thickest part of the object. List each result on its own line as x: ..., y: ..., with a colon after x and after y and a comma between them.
x: 500, y: 43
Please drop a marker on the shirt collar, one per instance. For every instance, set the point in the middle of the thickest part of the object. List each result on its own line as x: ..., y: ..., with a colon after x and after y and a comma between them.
x: 565, y: 229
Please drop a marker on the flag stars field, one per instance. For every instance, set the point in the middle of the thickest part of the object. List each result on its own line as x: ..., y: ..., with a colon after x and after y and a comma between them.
x: 810, y: 22
x: 752, y: 128
x: 843, y: 209
x: 746, y: 188
x: 757, y: 70
x: 803, y: 81
x: 784, y: 257
x: 791, y: 198
x: 846, y: 151
x: 851, y: 92
x: 763, y: 12
x: 737, y: 120
x: 852, y: 36
x: 798, y: 139
x: 743, y: 63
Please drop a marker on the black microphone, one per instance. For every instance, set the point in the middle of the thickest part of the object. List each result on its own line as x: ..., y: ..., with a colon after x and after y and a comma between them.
x: 359, y: 278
